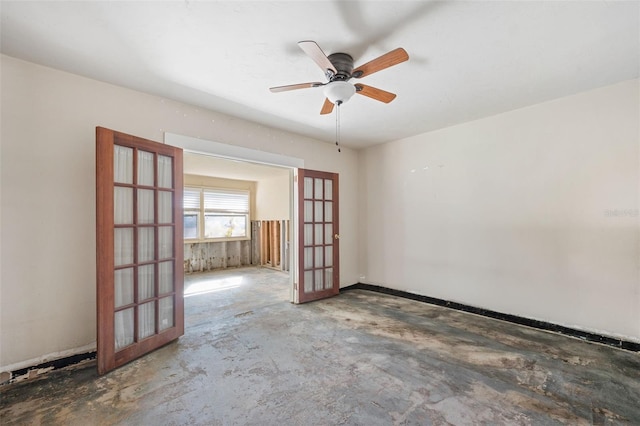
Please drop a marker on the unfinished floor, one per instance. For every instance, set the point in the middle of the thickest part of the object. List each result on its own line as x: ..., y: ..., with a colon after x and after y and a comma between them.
x: 248, y: 356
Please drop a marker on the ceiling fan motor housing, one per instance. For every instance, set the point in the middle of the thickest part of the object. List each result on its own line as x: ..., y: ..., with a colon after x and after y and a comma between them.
x: 343, y: 63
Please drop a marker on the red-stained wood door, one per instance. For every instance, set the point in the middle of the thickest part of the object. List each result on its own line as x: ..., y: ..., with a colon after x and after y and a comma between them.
x: 318, y: 236
x: 140, y: 301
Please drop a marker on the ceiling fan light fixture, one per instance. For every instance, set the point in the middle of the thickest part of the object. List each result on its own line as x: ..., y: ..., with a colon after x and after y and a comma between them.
x: 339, y: 91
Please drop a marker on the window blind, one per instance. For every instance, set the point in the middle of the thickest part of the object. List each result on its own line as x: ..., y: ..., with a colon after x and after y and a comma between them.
x: 191, y: 198
x: 226, y: 200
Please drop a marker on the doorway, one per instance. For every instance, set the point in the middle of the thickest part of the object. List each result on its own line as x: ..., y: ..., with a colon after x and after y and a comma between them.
x: 266, y: 239
x: 313, y: 207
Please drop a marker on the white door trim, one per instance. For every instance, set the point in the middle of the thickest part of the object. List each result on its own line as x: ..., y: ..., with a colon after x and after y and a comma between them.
x: 232, y: 152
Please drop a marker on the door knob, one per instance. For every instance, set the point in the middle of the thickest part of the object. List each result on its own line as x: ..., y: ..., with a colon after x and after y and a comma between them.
x: 336, y: 236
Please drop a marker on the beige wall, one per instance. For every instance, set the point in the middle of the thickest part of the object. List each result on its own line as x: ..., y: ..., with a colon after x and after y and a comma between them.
x: 533, y: 212
x: 273, y: 198
x: 47, y: 282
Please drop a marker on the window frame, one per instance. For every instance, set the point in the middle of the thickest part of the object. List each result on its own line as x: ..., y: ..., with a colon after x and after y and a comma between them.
x: 203, y: 212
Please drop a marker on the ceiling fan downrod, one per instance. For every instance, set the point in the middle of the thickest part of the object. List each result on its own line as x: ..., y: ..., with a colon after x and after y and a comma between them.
x: 338, y: 103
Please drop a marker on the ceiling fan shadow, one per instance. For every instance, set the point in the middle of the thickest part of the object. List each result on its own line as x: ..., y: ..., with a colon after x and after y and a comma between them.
x: 353, y: 16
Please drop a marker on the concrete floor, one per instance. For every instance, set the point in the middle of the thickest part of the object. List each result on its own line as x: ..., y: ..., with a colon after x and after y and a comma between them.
x: 250, y: 357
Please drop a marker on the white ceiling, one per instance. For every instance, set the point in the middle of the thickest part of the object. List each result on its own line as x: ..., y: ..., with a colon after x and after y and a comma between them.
x: 468, y: 60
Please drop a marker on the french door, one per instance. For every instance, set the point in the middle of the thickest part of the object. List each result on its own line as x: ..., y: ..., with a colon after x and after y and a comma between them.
x: 318, y: 236
x: 140, y: 304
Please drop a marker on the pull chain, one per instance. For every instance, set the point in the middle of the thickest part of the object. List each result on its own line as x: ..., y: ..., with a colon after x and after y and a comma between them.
x: 338, y: 103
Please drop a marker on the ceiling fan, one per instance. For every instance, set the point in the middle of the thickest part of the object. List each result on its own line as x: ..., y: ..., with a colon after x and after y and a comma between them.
x: 338, y: 68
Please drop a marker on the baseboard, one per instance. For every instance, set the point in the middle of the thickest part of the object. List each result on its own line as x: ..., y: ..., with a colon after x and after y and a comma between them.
x: 32, y: 372
x: 542, y: 325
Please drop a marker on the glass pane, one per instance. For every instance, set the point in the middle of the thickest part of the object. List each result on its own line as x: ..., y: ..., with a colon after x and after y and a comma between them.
x: 145, y: 244
x: 122, y: 205
x: 328, y: 211
x: 190, y: 226
x: 165, y: 212
x: 146, y: 320
x: 328, y: 233
x: 165, y: 172
x: 308, y: 234
x: 308, y: 211
x: 165, y: 242
x: 318, y: 239
x: 122, y: 164
x: 318, y: 189
x: 165, y: 277
x: 145, y: 168
x: 308, y: 281
x: 122, y: 246
x: 328, y: 278
x: 319, y: 260
x: 328, y: 256
x: 319, y: 217
x: 225, y: 226
x: 145, y: 282
x: 308, y: 258
x: 328, y: 189
x: 308, y: 187
x: 123, y: 286
x: 145, y: 206
x: 123, y: 328
x: 319, y: 281
x: 166, y: 313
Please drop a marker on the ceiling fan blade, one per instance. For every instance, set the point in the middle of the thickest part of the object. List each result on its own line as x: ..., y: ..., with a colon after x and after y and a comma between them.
x: 295, y: 86
x: 312, y: 49
x: 327, y: 107
x: 387, y: 60
x: 375, y: 93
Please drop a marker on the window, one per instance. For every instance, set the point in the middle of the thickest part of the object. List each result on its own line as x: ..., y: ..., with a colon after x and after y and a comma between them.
x: 216, y: 214
x: 191, y: 205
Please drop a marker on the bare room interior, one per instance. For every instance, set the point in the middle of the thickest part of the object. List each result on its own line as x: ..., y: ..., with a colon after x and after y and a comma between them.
x: 327, y: 212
